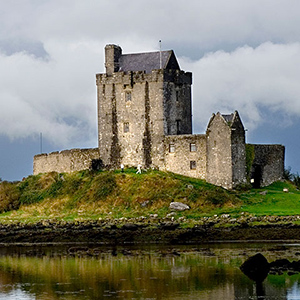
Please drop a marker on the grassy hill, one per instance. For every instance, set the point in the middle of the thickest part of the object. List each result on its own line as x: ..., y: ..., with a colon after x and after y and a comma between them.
x: 93, y: 195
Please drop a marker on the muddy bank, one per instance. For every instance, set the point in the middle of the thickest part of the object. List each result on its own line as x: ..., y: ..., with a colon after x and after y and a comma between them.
x: 167, y: 232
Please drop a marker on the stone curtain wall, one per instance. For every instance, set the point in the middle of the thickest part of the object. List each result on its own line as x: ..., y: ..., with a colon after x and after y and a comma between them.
x: 178, y: 154
x: 269, y: 161
x: 65, y: 161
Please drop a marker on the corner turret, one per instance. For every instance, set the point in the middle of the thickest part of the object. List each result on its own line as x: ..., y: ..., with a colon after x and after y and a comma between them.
x: 112, y: 56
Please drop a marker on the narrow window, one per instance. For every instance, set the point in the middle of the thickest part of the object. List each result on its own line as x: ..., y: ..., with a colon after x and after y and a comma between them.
x: 178, y: 126
x: 193, y: 147
x: 126, y: 127
x: 177, y: 96
x: 128, y: 96
x: 171, y: 148
x: 193, y: 165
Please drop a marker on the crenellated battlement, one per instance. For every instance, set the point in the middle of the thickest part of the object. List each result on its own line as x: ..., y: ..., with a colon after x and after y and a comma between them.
x: 176, y: 76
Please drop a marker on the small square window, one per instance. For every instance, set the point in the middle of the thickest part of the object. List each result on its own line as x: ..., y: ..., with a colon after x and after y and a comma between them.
x: 193, y: 165
x: 193, y: 147
x: 128, y: 96
x: 126, y: 127
x: 171, y: 148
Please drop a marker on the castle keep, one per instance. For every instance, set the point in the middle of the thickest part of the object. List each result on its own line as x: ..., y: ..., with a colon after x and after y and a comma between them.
x: 145, y: 118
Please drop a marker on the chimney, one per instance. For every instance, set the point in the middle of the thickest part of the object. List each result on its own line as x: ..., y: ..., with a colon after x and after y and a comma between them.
x: 112, y: 56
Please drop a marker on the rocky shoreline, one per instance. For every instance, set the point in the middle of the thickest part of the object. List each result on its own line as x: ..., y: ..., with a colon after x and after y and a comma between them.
x: 169, y: 230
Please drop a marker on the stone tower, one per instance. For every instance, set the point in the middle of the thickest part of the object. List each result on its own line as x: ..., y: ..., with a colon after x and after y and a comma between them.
x: 225, y: 150
x: 141, y: 98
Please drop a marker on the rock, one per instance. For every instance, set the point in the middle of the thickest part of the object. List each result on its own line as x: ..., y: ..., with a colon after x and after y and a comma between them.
x: 145, y: 203
x: 225, y: 216
x: 130, y: 226
x: 170, y: 215
x: 169, y: 226
x: 78, y: 250
x: 291, y: 273
x: 153, y: 216
x: 295, y: 265
x: 263, y: 193
x: 280, y: 263
x: 178, y: 206
x: 256, y: 267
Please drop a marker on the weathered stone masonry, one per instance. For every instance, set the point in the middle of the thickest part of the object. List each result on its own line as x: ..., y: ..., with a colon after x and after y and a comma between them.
x: 186, y: 154
x: 150, y: 104
x: 65, y: 161
x: 225, y: 150
x: 145, y: 117
x: 267, y: 165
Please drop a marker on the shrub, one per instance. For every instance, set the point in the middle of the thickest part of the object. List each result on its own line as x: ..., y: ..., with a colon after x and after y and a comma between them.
x: 287, y: 174
x: 296, y: 179
x: 9, y: 196
x: 242, y: 187
x: 218, y: 197
x: 102, y: 186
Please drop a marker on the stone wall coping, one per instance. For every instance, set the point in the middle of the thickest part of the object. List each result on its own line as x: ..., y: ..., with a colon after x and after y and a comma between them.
x: 67, y: 151
x: 266, y: 145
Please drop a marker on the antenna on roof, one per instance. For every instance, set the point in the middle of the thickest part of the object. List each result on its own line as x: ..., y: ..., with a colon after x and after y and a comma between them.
x: 160, y: 59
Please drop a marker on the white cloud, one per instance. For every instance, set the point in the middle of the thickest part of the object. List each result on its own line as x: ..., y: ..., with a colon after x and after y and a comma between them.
x: 251, y: 80
x: 56, y: 96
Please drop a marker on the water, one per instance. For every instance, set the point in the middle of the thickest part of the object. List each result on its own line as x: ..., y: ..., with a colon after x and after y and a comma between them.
x: 208, y: 271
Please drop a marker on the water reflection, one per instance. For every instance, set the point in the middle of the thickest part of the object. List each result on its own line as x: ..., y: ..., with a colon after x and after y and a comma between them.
x: 202, y: 272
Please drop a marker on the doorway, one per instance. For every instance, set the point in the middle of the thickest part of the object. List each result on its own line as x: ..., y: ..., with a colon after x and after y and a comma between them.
x: 256, y: 176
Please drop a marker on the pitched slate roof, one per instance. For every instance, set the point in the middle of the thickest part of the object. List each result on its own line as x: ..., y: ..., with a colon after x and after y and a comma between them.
x: 147, y: 61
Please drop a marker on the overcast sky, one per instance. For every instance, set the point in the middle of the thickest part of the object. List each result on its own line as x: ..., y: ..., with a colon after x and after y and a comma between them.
x: 244, y: 55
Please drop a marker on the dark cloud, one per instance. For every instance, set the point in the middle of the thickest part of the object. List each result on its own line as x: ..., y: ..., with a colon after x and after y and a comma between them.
x: 12, y: 46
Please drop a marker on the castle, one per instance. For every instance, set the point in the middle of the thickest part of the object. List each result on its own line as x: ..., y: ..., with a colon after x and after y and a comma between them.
x: 145, y: 118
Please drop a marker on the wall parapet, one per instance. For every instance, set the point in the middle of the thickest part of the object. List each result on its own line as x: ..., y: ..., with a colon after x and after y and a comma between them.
x: 159, y: 75
x: 65, y: 161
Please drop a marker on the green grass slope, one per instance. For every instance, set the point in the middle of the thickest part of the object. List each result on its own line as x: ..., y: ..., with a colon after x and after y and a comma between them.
x: 94, y: 195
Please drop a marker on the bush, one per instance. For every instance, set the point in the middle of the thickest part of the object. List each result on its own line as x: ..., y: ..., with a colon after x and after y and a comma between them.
x: 218, y: 197
x: 243, y: 187
x: 296, y: 179
x: 31, y: 190
x: 102, y: 186
x: 9, y: 196
x: 287, y: 174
